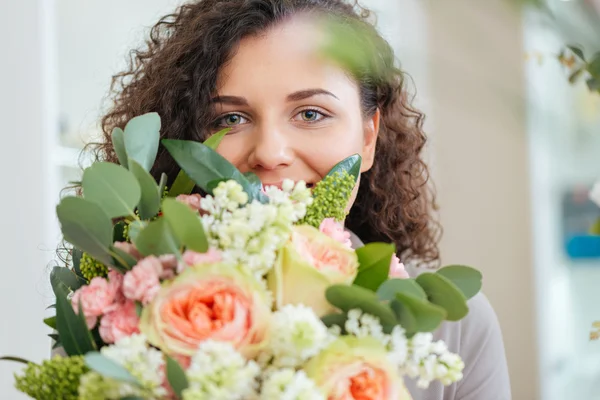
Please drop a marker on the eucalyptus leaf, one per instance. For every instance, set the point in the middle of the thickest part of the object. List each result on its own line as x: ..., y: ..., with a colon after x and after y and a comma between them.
x: 76, y: 255
x: 466, y: 279
x: 347, y: 298
x: 204, y: 165
x: 157, y: 239
x: 186, y: 225
x: 214, y: 141
x: 176, y: 376
x: 142, y: 135
x: 442, y: 292
x: 139, y: 308
x: 74, y: 334
x: 111, y: 186
x: 335, y: 319
x: 374, y: 260
x: 577, y: 51
x: 162, y: 184
x: 67, y: 277
x: 135, y: 228
x: 149, y: 204
x: 85, y: 225
x: 122, y: 260
x: 427, y: 316
x: 109, y: 368
x: 404, y: 316
x: 183, y: 185
x: 387, y: 291
x: 350, y: 164
x: 118, y: 142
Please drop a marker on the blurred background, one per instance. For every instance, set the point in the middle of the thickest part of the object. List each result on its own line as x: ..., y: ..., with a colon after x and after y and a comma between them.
x: 514, y: 149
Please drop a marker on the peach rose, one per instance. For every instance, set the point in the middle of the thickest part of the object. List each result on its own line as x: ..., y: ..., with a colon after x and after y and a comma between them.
x: 336, y: 231
x: 215, y: 302
x: 95, y: 299
x: 356, y: 368
x: 397, y: 269
x: 123, y: 321
x: 309, y: 263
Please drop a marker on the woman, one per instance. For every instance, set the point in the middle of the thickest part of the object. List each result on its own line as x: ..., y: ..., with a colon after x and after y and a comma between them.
x: 257, y: 67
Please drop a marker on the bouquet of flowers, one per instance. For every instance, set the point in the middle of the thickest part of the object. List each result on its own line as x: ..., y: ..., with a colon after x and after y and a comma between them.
x: 246, y: 293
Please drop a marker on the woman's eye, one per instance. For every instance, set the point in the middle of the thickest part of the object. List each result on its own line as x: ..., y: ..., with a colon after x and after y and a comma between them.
x: 231, y: 120
x: 311, y: 115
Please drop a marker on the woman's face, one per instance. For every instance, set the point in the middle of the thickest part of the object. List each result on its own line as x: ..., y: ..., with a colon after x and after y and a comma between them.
x: 293, y: 114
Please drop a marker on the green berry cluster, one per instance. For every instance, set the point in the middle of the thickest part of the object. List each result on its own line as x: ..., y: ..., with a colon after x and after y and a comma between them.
x: 91, y: 268
x: 331, y: 196
x: 57, y: 378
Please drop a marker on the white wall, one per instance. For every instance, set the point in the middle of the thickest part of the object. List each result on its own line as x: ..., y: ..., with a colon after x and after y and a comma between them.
x: 24, y: 245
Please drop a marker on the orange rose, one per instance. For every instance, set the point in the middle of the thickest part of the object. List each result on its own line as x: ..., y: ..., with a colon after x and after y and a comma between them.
x: 215, y: 302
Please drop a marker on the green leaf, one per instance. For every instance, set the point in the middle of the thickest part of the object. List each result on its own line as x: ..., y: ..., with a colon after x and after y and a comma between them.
x: 387, y: 291
x: 142, y: 135
x: 135, y: 228
x: 132, y: 398
x: 157, y: 239
x: 466, y: 279
x: 72, y: 328
x: 50, y: 322
x: 109, y: 368
x: 16, y: 359
x: 253, y: 179
x: 67, y: 277
x: 162, y: 184
x: 347, y: 298
x: 176, y: 376
x: 183, y: 185
x: 119, y: 232
x: 350, y: 164
x: 575, y: 75
x: 76, y: 255
x: 186, y: 225
x: 112, y: 187
x: 122, y: 260
x: 593, y: 84
x: 440, y: 291
x: 374, y: 260
x: 405, y: 317
x: 577, y: 51
x: 149, y: 204
x: 335, y: 319
x: 204, y: 165
x: 118, y: 141
x: 139, y: 308
x: 214, y: 141
x: 427, y: 316
x: 85, y: 225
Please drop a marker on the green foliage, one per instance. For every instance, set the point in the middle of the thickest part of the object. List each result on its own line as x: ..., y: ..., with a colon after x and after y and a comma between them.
x: 331, y: 196
x: 57, y: 378
x: 91, y: 268
x: 156, y: 239
x: 141, y: 138
x: 176, y: 376
x: 185, y: 225
x: 374, y: 260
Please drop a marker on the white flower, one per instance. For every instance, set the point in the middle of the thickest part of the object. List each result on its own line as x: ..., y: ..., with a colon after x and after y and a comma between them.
x: 595, y: 193
x: 362, y: 324
x: 143, y: 362
x: 287, y: 384
x: 219, y: 372
x: 296, y: 335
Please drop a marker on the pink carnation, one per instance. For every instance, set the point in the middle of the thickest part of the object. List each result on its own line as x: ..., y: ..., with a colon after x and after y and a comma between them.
x: 97, y: 298
x: 169, y: 266
x: 336, y: 231
x: 190, y: 257
x: 119, y: 323
x: 192, y: 200
x: 129, y: 249
x: 142, y: 283
x: 397, y: 269
x: 115, y: 283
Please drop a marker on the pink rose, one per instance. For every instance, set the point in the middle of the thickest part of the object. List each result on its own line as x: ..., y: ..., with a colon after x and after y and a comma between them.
x: 336, y: 231
x: 95, y: 299
x: 142, y: 283
x: 397, y: 269
x: 119, y: 323
x: 190, y: 258
x: 192, y: 200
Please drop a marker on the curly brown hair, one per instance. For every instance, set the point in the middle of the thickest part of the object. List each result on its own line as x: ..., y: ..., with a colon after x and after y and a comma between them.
x: 175, y: 75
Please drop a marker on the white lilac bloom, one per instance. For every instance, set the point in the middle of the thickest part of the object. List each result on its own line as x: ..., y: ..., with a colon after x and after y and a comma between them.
x: 288, y: 384
x: 296, y: 335
x: 250, y: 234
x: 218, y: 372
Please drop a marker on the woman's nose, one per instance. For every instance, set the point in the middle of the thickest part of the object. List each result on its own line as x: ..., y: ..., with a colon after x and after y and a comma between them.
x: 271, y: 149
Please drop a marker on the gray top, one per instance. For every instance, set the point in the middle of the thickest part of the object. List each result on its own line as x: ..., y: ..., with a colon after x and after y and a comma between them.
x: 478, y: 340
